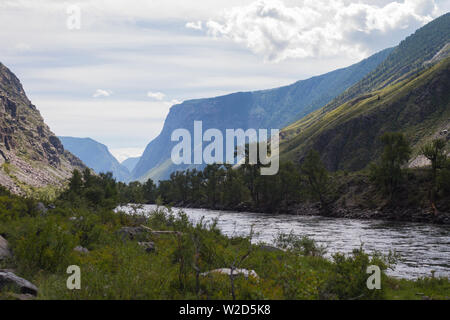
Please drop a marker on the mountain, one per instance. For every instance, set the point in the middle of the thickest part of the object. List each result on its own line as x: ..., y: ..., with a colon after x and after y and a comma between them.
x: 130, y: 163
x: 269, y: 109
x: 409, y: 94
x: 96, y: 156
x: 408, y: 58
x: 31, y: 156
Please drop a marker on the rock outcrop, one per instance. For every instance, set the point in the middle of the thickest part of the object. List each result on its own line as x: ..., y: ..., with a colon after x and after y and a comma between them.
x: 10, y: 280
x: 30, y: 153
x: 4, y: 249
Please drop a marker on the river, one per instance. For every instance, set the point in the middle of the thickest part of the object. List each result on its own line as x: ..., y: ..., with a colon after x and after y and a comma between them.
x: 422, y: 247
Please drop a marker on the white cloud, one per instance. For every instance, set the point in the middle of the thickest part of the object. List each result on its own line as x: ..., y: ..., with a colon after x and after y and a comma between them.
x: 101, y: 93
x: 194, y: 25
x: 156, y: 95
x: 316, y: 27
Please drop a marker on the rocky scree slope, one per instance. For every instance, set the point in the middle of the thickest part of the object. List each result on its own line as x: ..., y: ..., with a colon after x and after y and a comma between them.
x: 31, y: 156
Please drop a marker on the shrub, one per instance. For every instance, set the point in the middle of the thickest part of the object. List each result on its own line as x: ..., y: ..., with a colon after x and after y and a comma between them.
x: 42, y: 244
x: 348, y: 276
x: 302, y: 245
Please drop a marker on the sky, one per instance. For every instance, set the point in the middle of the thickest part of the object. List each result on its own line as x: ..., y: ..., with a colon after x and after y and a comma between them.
x: 111, y: 69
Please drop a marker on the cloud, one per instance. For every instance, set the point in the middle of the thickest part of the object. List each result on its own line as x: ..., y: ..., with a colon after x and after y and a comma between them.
x: 101, y: 93
x: 159, y: 96
x: 194, y: 25
x: 317, y: 28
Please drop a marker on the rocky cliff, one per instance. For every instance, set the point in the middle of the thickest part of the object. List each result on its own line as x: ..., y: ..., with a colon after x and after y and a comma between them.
x: 31, y: 156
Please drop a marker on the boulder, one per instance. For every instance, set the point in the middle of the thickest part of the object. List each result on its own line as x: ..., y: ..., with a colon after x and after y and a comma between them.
x: 227, y: 271
x: 4, y: 249
x: 8, y: 279
x: 81, y: 249
x: 148, y: 246
x: 41, y: 208
x: 131, y: 233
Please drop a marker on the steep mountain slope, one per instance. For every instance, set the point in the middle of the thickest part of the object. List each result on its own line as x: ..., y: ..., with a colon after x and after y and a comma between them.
x: 413, y: 57
x: 31, y: 156
x: 130, y: 163
x: 408, y: 58
x: 348, y: 137
x: 96, y: 156
x: 269, y: 109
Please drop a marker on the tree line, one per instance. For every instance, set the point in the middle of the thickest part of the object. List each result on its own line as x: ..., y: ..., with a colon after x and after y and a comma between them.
x: 222, y: 186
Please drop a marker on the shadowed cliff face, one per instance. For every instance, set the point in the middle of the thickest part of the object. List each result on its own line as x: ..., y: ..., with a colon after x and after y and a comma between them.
x: 267, y: 109
x: 30, y: 154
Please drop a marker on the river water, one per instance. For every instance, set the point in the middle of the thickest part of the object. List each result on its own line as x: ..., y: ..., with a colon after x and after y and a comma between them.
x: 422, y: 247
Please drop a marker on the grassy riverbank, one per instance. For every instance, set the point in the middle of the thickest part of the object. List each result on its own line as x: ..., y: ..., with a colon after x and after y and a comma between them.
x: 127, y: 258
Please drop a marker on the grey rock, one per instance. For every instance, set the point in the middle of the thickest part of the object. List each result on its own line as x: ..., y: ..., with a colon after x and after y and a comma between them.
x: 4, y: 249
x: 148, y: 246
x: 131, y: 233
x: 41, y: 208
x: 24, y: 286
x: 81, y: 249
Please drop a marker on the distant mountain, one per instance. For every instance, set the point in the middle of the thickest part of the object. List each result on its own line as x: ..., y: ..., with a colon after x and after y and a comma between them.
x: 130, y: 163
x: 271, y: 109
x: 31, y: 156
x: 408, y: 92
x: 96, y: 156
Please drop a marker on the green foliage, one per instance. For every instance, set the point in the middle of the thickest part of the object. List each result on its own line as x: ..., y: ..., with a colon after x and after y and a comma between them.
x: 116, y: 268
x: 443, y: 179
x: 222, y: 186
x: 88, y: 190
x: 348, y: 277
x: 317, y: 178
x: 300, y: 245
x: 388, y: 174
x: 435, y: 153
x: 42, y: 244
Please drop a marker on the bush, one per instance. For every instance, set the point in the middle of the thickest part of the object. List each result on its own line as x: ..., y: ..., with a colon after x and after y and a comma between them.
x: 42, y: 244
x: 302, y: 245
x: 348, y: 277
